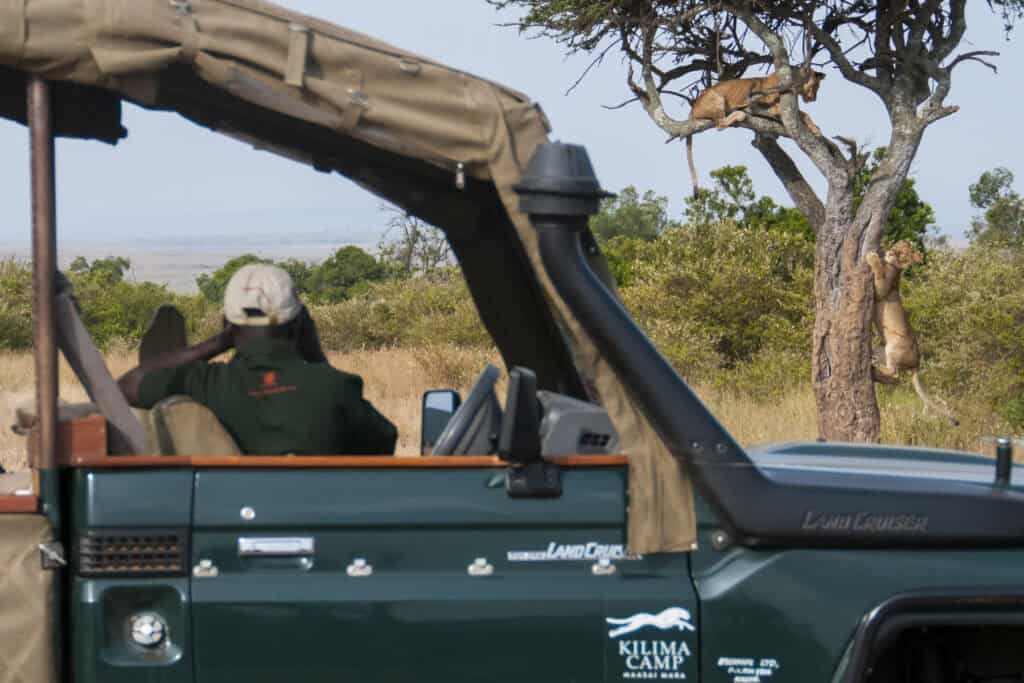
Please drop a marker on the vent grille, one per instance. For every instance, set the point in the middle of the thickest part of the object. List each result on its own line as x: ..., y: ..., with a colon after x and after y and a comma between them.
x: 132, y: 552
x: 594, y: 440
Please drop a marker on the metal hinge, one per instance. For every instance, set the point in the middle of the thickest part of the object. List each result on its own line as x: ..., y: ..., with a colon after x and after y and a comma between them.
x: 51, y: 555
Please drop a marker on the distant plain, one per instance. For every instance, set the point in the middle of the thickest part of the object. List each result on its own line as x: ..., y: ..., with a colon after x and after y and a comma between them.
x: 178, y: 264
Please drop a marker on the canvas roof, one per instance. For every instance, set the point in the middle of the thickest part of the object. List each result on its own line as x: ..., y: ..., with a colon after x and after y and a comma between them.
x: 442, y: 144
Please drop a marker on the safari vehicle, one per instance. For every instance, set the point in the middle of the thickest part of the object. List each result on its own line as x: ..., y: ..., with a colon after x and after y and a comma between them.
x: 599, y: 525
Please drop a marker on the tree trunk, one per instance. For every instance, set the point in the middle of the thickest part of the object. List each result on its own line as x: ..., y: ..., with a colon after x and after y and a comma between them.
x: 843, y: 301
x: 844, y: 294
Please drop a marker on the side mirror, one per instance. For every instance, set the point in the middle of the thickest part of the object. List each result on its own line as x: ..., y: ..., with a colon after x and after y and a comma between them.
x: 438, y: 408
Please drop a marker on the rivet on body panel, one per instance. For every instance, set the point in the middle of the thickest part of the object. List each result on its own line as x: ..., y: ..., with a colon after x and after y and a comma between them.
x: 603, y: 567
x: 359, y: 568
x: 247, y: 513
x: 206, y: 569
x: 480, y: 567
x: 720, y: 540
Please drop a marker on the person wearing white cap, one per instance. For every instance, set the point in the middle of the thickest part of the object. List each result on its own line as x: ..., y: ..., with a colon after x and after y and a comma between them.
x: 277, y: 395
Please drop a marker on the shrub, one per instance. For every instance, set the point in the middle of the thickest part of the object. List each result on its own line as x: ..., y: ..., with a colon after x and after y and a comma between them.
x: 717, y: 296
x: 968, y: 310
x: 414, y: 312
x: 114, y: 310
x: 118, y: 311
x: 15, y: 305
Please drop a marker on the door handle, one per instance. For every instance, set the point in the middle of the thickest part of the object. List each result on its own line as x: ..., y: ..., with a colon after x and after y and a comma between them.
x: 276, y: 547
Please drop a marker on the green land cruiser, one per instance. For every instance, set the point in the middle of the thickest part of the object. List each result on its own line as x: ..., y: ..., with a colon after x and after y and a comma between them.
x: 597, y: 525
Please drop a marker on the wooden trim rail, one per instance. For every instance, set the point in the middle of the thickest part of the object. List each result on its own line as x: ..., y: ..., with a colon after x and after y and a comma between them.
x: 329, y: 461
x: 18, y: 504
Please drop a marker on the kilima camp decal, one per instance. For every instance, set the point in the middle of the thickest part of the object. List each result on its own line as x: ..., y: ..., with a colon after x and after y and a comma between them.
x: 652, y: 646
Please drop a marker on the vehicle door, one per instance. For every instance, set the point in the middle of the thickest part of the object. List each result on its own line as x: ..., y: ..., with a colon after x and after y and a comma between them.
x: 427, y: 572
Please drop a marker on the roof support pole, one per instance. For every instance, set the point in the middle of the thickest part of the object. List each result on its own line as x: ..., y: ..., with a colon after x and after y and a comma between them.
x: 44, y: 270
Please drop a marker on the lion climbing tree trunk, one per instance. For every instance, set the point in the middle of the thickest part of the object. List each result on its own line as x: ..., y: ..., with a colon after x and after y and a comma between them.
x: 897, y: 53
x: 844, y: 295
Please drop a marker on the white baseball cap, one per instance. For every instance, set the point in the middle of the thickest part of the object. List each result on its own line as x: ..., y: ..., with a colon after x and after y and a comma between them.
x: 260, y: 295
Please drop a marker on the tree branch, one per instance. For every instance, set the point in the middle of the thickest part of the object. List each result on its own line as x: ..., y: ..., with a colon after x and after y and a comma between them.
x: 975, y: 57
x: 958, y: 27
x: 800, y: 191
x: 814, y: 147
x: 597, y: 60
x: 650, y: 97
x: 839, y: 57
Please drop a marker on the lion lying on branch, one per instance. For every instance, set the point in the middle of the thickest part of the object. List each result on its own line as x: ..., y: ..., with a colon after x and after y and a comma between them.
x: 901, y: 351
x: 732, y: 101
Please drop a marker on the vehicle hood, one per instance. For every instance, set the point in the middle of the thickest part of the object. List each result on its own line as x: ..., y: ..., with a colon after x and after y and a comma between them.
x: 891, y: 462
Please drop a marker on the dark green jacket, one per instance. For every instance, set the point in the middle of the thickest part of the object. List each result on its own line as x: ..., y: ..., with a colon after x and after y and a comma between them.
x: 273, y: 402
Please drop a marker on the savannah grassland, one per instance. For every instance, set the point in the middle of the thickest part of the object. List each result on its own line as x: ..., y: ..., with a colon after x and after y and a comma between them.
x: 396, y: 378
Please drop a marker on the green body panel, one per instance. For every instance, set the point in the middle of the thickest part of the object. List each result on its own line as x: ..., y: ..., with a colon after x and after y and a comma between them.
x: 795, y: 610
x: 420, y: 615
x: 752, y: 616
x: 101, y: 651
x: 132, y: 498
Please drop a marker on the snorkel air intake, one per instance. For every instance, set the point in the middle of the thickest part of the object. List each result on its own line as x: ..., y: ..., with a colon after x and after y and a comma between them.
x: 560, y: 192
x: 793, y: 508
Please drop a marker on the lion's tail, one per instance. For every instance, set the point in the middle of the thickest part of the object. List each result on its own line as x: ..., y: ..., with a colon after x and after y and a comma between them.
x: 936, y: 405
x: 693, y: 167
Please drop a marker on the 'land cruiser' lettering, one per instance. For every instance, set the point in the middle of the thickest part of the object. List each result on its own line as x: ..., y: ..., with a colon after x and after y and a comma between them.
x: 870, y: 522
x: 572, y: 551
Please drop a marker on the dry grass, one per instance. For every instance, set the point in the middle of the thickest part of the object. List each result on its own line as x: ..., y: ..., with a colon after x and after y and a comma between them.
x: 396, y: 379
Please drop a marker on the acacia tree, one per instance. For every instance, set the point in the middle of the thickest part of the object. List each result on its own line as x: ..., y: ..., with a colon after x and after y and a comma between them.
x: 902, y: 52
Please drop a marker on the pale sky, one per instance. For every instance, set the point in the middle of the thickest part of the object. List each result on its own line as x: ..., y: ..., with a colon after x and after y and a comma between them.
x: 172, y: 179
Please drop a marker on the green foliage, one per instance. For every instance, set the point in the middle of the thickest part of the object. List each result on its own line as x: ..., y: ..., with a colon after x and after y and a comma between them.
x: 968, y: 309
x: 732, y: 198
x: 1003, y: 220
x: 344, y: 273
x: 212, y: 285
x: 112, y: 268
x: 113, y: 309
x: 715, y: 297
x: 623, y: 255
x: 15, y: 305
x: 413, y: 312
x: 300, y: 272
x: 630, y: 216
x: 910, y: 216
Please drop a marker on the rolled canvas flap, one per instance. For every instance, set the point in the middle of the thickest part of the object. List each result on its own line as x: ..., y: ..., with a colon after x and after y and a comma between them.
x: 12, y: 29
x: 28, y: 603
x: 661, y: 514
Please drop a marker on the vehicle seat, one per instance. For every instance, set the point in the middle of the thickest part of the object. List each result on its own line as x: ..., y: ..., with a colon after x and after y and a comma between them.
x: 179, y: 425
x: 25, y: 414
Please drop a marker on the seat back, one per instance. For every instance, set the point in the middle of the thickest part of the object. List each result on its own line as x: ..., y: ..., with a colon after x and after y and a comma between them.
x: 178, y: 425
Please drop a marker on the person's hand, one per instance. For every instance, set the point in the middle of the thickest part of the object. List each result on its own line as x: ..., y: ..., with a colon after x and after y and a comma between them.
x: 308, y: 341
